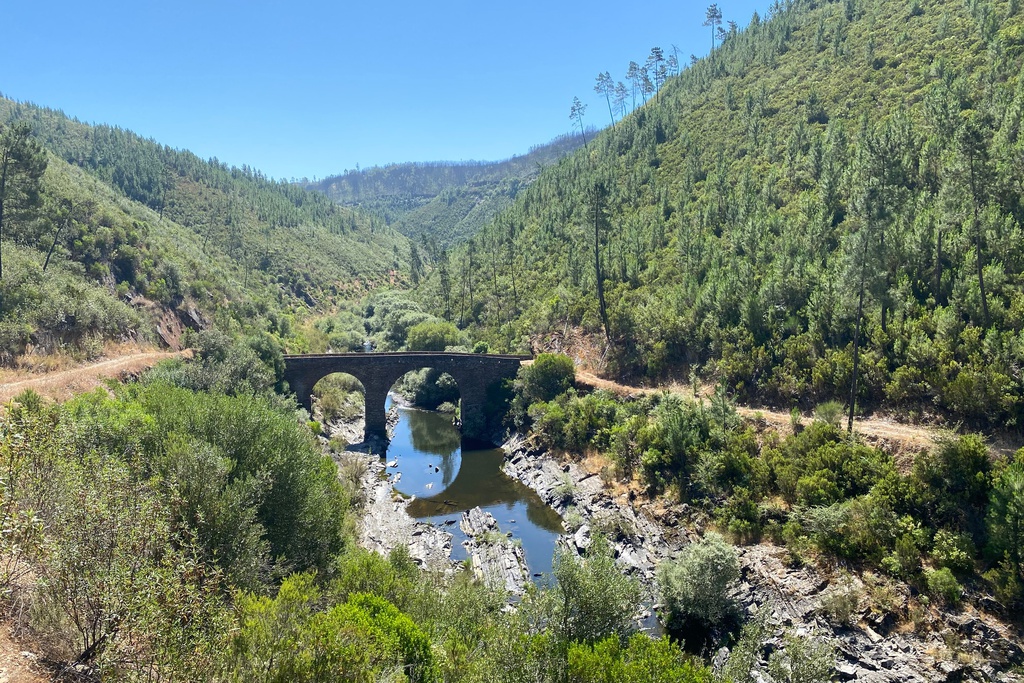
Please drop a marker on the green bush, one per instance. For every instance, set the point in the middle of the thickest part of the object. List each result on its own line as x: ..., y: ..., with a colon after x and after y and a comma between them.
x: 821, y: 466
x: 433, y: 336
x: 594, y: 599
x: 683, y: 432
x: 292, y: 637
x: 953, y: 551
x: 830, y: 412
x: 944, y: 586
x: 1006, y: 519
x: 120, y: 586
x: 549, y: 375
x: 952, y: 485
x: 641, y: 658
x: 803, y: 659
x: 255, y: 455
x: 695, y: 586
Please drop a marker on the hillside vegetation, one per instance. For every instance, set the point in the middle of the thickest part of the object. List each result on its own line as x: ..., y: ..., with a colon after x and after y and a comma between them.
x: 116, y: 217
x: 441, y: 203
x: 837, y: 176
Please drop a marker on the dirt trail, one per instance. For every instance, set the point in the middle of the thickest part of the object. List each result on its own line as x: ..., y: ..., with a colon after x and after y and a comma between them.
x: 893, y: 436
x: 66, y: 383
x: 18, y: 664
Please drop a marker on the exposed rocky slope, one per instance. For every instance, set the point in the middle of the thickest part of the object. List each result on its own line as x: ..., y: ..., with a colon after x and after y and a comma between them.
x: 895, y: 639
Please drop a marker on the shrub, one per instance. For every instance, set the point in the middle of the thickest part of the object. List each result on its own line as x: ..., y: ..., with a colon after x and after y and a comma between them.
x: 595, y: 599
x: 255, y: 456
x: 944, y: 586
x: 1006, y: 516
x: 952, y: 484
x: 821, y: 466
x: 841, y: 604
x: 829, y: 412
x: 741, y: 516
x: 433, y: 336
x: 695, y: 586
x: 641, y: 658
x: 290, y: 637
x: 953, y: 551
x: 803, y: 659
x: 905, y: 560
x: 549, y: 375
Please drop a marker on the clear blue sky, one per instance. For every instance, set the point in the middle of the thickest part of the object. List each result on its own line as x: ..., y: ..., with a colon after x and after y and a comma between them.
x: 313, y: 88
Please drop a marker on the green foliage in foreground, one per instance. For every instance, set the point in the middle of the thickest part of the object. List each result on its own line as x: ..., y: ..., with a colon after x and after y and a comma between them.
x: 154, y: 533
x: 641, y: 659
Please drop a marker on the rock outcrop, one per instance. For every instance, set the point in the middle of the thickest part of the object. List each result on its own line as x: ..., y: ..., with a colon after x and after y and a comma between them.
x: 495, y: 558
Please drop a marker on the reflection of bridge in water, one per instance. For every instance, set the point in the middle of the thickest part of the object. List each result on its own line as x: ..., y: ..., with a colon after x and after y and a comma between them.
x: 475, y: 373
x: 466, y: 492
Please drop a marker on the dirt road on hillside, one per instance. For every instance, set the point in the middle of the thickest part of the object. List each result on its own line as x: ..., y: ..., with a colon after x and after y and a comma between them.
x: 66, y: 383
x: 894, y: 437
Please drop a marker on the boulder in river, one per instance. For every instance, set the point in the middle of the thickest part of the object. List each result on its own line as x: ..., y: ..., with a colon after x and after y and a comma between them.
x: 495, y: 558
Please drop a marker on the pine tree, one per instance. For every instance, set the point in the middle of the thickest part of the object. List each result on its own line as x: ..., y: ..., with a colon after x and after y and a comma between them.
x: 22, y: 164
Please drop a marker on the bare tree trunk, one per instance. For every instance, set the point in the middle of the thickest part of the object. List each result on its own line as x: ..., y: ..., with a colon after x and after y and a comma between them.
x: 856, y: 337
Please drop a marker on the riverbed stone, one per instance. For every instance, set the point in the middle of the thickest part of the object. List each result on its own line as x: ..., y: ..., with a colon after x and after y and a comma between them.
x: 495, y: 559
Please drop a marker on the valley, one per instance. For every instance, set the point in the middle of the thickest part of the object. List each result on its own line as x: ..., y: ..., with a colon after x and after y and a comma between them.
x: 770, y: 429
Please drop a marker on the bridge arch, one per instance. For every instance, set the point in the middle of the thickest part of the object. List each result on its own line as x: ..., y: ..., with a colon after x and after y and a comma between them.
x: 475, y: 373
x: 339, y: 396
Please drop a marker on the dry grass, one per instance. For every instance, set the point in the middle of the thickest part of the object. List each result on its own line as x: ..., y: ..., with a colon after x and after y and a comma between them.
x: 59, y: 377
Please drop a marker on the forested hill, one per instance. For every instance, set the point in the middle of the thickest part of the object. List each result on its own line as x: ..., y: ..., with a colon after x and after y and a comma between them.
x: 837, y: 173
x: 445, y: 201
x: 117, y: 217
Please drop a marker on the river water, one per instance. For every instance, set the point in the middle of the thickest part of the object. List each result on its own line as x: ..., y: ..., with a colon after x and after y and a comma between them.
x: 446, y: 481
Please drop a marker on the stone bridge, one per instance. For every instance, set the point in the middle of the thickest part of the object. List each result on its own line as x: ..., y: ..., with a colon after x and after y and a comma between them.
x: 475, y: 373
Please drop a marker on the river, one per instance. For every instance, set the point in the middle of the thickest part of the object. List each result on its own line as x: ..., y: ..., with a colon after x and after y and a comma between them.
x: 445, y: 481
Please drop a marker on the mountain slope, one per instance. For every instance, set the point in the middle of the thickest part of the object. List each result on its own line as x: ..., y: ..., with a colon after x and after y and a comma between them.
x: 443, y: 202
x: 128, y: 218
x: 832, y: 150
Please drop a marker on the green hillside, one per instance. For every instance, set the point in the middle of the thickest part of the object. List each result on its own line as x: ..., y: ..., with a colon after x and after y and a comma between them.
x: 128, y: 218
x: 443, y: 202
x: 829, y: 151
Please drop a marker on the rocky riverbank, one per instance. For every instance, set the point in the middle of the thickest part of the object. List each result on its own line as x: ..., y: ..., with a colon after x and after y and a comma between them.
x: 386, y: 524
x: 882, y: 633
x: 492, y: 555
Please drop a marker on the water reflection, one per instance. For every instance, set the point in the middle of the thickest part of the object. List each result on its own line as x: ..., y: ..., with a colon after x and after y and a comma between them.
x: 445, y: 482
